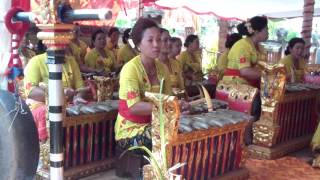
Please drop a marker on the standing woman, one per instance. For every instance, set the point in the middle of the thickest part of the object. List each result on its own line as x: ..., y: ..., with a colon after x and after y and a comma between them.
x: 100, y: 58
x: 126, y: 52
x: 293, y: 61
x: 245, y: 53
x: 173, y: 66
x: 142, y: 73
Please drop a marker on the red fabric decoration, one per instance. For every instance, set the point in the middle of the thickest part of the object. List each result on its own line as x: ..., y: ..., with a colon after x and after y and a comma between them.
x: 132, y: 95
x: 243, y: 60
x: 17, y: 27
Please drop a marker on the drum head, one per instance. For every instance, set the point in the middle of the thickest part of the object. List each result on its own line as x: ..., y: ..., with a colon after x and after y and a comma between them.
x: 19, y: 143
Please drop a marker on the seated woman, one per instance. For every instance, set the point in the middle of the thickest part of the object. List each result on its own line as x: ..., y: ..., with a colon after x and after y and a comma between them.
x: 79, y: 50
x: 126, y: 52
x: 172, y: 65
x: 175, y: 46
x: 112, y: 40
x: 190, y: 59
x: 223, y: 59
x: 245, y: 53
x: 100, y: 58
x: 293, y: 61
x: 142, y: 73
x: 36, y: 72
x: 25, y: 52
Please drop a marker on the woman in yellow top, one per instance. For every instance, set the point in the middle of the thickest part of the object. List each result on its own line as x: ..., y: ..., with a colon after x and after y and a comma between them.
x: 79, y: 49
x: 112, y: 40
x: 25, y: 52
x: 173, y: 66
x: 223, y: 59
x: 37, y: 72
x: 99, y: 57
x: 141, y: 74
x: 190, y: 59
x: 244, y: 54
x: 175, y: 46
x: 293, y: 61
x: 77, y: 46
x: 126, y: 52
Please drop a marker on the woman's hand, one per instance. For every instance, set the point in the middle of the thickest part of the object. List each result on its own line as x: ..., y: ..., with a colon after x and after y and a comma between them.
x: 69, y: 93
x: 100, y: 61
x: 79, y: 100
x: 185, y: 107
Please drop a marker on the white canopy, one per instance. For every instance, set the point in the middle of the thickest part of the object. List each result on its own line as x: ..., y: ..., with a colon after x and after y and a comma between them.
x: 241, y: 9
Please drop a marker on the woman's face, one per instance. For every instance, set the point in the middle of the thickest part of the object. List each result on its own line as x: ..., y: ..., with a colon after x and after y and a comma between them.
x: 263, y: 34
x: 297, y: 50
x: 165, y: 42
x: 114, y: 38
x: 194, y: 45
x: 176, y: 48
x: 100, y: 41
x: 150, y: 43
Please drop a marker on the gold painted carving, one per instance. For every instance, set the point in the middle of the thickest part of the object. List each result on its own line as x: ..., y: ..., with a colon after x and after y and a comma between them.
x: 312, y: 68
x: 44, y: 155
x: 104, y: 87
x: 45, y: 14
x: 265, y: 131
x: 273, y: 81
x: 225, y: 86
x: 242, y: 91
x: 170, y: 115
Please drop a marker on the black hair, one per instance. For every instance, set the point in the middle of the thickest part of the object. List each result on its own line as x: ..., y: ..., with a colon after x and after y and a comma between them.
x: 163, y: 30
x: 291, y: 44
x: 190, y: 38
x: 41, y: 48
x: 139, y: 28
x: 257, y: 23
x: 231, y: 39
x: 175, y: 39
x: 112, y: 30
x: 126, y: 36
x: 94, y: 36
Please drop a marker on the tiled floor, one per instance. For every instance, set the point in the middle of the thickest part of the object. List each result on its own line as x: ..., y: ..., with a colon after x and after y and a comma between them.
x: 295, y: 166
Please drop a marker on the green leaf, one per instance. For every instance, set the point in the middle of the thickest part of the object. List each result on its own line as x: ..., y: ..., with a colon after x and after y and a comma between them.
x: 162, y: 135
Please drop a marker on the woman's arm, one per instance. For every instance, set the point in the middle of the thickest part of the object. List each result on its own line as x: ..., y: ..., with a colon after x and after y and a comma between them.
x: 250, y: 73
x: 141, y: 108
x: 38, y: 94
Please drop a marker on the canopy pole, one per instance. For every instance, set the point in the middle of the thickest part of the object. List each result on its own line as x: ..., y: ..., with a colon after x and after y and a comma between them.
x: 308, y: 10
x: 223, y: 32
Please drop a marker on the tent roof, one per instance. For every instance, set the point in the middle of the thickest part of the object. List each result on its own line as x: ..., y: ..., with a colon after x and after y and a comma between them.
x: 239, y: 9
